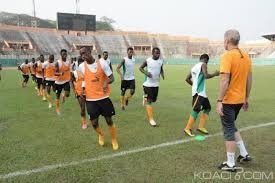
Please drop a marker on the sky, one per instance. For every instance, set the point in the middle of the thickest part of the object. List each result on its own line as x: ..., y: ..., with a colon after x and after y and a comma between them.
x: 197, y: 18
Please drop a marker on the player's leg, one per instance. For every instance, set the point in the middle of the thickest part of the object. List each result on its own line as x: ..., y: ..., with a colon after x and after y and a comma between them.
x: 93, y: 111
x: 151, y: 94
x: 58, y: 90
x: 122, y: 95
x: 82, y: 104
x: 66, y: 91
x: 108, y: 110
x: 206, y: 107
x: 196, y: 105
x: 132, y: 87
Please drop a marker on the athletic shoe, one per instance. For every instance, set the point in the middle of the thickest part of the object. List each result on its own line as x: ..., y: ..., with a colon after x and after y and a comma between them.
x: 114, y: 144
x: 241, y: 159
x: 50, y: 105
x: 189, y: 132
x: 84, y: 126
x: 44, y: 99
x: 203, y: 130
x: 153, y: 123
x: 225, y: 167
x: 123, y: 108
x: 58, y: 111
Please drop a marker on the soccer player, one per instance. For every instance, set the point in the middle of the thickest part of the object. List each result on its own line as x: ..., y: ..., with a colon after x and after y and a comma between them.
x: 97, y: 77
x: 31, y: 64
x: 62, y: 82
x: 107, y: 59
x: 127, y: 78
x: 77, y: 80
x: 154, y: 67
x: 39, y: 77
x: 234, y: 91
x: 25, y: 69
x: 48, y: 68
x: 197, y: 79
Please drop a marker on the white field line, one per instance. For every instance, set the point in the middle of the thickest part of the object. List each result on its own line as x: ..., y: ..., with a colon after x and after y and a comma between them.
x: 122, y: 153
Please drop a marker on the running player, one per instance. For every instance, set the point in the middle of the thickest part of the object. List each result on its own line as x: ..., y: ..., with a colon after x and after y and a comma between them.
x: 48, y: 68
x: 107, y: 59
x: 62, y: 82
x: 97, y: 77
x: 31, y: 64
x: 127, y: 78
x: 154, y: 67
x: 196, y: 78
x: 77, y: 80
x: 39, y: 77
x: 25, y: 69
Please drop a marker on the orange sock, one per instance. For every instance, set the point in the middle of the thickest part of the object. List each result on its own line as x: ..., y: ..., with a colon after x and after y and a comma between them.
x: 122, y: 101
x: 99, y: 131
x: 112, y: 131
x: 57, y: 104
x: 203, y: 118
x: 83, y: 120
x: 129, y: 96
x: 150, y: 112
x: 49, y: 98
x: 190, y: 122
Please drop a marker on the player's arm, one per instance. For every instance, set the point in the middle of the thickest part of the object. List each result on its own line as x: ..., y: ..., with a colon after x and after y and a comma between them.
x: 224, y: 83
x: 20, y: 68
x: 162, y: 72
x: 111, y: 67
x: 188, y: 79
x: 206, y: 74
x: 73, y: 79
x: 141, y: 68
x: 118, y: 68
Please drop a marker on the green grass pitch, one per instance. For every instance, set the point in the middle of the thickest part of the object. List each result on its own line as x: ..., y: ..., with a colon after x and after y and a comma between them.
x: 32, y: 136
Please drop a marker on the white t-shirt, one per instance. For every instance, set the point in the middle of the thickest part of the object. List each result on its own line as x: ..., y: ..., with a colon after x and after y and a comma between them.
x: 154, y: 67
x: 128, y: 69
x: 199, y: 83
x: 108, y: 60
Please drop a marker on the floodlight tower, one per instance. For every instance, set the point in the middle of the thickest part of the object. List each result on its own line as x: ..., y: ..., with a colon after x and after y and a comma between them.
x: 77, y: 7
x: 34, y: 20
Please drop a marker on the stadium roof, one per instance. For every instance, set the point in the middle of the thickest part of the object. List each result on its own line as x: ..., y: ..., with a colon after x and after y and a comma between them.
x: 270, y: 37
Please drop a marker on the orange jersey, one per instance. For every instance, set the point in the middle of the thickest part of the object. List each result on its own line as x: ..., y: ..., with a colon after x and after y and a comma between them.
x: 232, y: 63
x: 66, y: 73
x: 49, y: 71
x: 25, y: 68
x: 39, y: 70
x: 78, y: 82
x: 94, y: 83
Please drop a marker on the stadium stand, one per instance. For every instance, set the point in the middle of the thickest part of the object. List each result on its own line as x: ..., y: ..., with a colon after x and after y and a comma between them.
x: 112, y: 43
x: 172, y: 47
x: 26, y: 42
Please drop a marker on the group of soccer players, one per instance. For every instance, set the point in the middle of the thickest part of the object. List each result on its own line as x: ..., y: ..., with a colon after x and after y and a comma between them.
x: 90, y: 80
